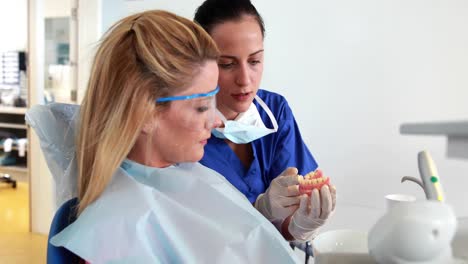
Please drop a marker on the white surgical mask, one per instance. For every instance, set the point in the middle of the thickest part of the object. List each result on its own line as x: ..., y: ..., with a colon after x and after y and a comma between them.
x: 247, y: 126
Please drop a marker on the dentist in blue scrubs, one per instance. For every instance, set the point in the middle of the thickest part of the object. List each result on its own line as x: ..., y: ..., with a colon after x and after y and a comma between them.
x: 260, y: 149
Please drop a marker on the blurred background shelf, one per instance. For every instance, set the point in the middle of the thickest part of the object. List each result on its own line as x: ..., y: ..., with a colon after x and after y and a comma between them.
x: 13, y: 148
x: 17, y: 172
x: 13, y: 110
x: 10, y: 125
x: 14, y: 169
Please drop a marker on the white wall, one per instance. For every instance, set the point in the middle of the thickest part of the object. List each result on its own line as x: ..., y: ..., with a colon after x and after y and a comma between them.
x: 367, y: 67
x: 41, y: 188
x: 57, y: 8
x: 353, y: 71
x: 89, y: 31
x: 42, y: 200
x: 113, y: 10
x: 13, y: 25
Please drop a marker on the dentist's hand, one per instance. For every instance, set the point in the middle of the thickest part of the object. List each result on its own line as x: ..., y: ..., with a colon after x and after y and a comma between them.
x: 281, y: 199
x: 312, y: 213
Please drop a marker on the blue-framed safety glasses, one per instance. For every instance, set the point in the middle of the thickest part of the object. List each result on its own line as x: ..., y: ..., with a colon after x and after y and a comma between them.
x: 188, y: 97
x: 194, y: 111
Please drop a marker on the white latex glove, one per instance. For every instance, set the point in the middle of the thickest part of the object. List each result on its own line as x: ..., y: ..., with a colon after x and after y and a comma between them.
x: 312, y: 213
x: 281, y: 198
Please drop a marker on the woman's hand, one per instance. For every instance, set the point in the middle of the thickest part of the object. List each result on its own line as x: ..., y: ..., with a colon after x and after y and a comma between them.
x: 281, y: 198
x: 312, y: 213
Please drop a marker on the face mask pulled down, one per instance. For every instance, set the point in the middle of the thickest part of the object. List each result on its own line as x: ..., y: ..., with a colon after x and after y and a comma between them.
x: 247, y: 126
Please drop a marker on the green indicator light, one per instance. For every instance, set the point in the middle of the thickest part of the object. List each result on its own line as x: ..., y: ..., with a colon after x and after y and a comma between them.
x: 433, y: 179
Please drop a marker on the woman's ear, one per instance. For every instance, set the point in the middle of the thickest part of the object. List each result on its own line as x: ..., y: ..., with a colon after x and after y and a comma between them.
x: 150, y: 124
x: 147, y: 127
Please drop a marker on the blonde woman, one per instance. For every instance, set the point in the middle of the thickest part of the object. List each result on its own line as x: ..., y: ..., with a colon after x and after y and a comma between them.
x: 146, y: 117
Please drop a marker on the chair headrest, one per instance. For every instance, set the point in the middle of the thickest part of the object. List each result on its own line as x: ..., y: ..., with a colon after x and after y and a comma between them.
x: 56, y: 124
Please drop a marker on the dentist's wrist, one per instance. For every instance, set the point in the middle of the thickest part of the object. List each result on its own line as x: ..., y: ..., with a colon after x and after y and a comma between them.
x: 285, y: 229
x: 299, y: 233
x: 261, y: 206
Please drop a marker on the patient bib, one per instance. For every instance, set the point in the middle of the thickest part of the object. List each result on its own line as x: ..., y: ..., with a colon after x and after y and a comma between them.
x: 186, y: 213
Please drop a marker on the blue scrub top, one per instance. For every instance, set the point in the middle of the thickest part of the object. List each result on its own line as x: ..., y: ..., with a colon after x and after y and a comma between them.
x: 272, y: 154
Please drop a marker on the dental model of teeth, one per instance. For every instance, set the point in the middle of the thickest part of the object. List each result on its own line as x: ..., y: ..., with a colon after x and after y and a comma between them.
x: 312, y: 180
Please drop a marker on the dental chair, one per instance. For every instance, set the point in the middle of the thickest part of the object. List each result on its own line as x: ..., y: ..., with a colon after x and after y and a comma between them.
x: 55, y: 127
x: 64, y: 216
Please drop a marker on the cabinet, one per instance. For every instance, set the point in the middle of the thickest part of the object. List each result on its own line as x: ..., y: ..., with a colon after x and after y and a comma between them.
x: 12, y: 126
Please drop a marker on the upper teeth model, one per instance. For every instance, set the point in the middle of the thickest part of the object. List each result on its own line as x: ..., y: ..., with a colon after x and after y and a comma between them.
x: 312, y: 180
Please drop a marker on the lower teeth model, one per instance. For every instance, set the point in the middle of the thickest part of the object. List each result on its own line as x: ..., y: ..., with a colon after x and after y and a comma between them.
x: 313, y: 180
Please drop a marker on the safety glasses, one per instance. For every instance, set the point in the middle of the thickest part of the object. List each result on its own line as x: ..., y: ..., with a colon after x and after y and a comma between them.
x: 194, y: 112
x: 187, y: 97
